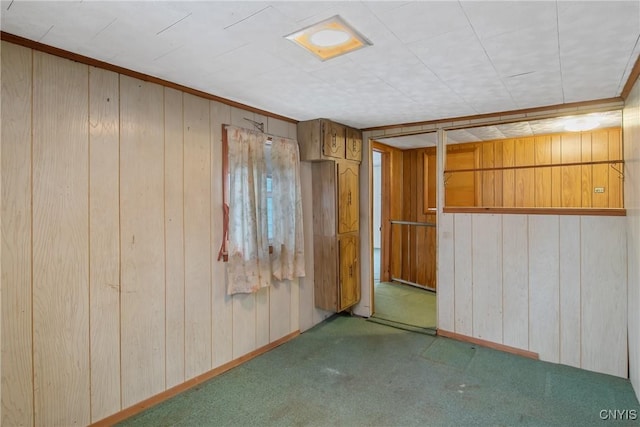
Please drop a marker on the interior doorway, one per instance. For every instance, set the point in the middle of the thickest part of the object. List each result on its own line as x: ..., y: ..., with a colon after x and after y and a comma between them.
x: 403, y: 236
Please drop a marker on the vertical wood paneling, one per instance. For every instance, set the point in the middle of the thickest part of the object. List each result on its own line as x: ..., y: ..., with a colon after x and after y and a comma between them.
x: 600, y: 173
x: 104, y: 242
x: 142, y: 239
x: 508, y: 176
x: 15, y: 263
x: 197, y: 235
x: 542, y: 176
x: 306, y: 295
x: 60, y: 241
x: 463, y: 276
x: 524, y: 178
x: 615, y: 180
x: 586, y: 187
x: 221, y: 304
x: 515, y: 281
x: 570, y: 290
x: 487, y: 276
x: 571, y: 182
x: 488, y: 178
x: 604, y: 295
x: 262, y: 316
x: 544, y: 287
x: 174, y: 236
x: 446, y: 283
x: 556, y: 173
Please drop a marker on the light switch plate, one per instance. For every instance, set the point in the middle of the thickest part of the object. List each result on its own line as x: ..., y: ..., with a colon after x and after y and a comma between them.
x: 598, y: 190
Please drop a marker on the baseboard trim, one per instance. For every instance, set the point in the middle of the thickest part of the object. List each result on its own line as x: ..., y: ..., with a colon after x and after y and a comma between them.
x: 489, y: 344
x: 173, y: 391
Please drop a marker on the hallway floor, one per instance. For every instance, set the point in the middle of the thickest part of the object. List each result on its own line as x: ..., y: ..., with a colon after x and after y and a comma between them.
x: 350, y: 372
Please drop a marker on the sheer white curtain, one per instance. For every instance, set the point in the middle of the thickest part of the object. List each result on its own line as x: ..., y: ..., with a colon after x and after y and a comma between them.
x: 287, y: 261
x: 249, y: 265
x: 248, y: 262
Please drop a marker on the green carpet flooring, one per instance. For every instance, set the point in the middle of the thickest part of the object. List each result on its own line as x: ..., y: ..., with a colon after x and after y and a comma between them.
x: 406, y: 305
x: 350, y: 372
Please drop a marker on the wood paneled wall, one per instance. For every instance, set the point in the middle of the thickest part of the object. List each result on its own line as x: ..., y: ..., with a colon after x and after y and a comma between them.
x: 542, y: 283
x: 111, y: 222
x: 418, y: 242
x: 559, y: 186
x: 631, y: 120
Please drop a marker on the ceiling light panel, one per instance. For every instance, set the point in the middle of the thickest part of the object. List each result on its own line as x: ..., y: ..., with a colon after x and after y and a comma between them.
x: 329, y: 38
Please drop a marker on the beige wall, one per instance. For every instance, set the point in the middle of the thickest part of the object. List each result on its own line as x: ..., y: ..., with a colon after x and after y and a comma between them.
x: 631, y: 129
x: 111, y: 224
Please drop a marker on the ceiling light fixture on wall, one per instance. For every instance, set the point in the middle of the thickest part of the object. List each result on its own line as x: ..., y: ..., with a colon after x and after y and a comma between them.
x: 329, y: 38
x: 581, y: 124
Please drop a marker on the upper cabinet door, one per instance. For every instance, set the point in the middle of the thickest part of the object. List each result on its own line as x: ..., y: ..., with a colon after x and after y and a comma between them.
x: 354, y: 145
x: 348, y: 200
x: 334, y: 139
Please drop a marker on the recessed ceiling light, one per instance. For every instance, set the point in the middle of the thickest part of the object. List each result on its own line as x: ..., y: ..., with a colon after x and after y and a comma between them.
x: 581, y: 124
x: 329, y: 38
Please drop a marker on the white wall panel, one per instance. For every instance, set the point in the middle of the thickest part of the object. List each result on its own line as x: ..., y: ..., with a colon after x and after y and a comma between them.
x: 544, y: 287
x: 515, y: 281
x: 463, y: 278
x: 631, y: 134
x: 604, y: 299
x: 445, y: 271
x: 570, y: 292
x: 487, y: 277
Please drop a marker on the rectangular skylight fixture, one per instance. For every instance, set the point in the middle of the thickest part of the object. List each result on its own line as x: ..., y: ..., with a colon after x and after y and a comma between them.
x: 329, y: 38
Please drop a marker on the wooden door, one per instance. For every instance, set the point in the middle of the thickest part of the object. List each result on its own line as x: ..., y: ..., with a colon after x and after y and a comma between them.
x: 349, y: 272
x: 354, y: 145
x: 348, y: 205
x: 334, y: 140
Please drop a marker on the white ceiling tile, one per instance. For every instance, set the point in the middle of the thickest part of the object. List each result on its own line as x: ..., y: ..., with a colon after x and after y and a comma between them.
x: 429, y: 60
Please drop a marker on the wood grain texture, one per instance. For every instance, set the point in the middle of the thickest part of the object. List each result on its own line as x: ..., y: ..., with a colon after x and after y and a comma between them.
x: 197, y: 235
x: 174, y: 236
x: 221, y: 303
x: 61, y: 358
x: 104, y: 242
x: 263, y: 305
x: 515, y: 281
x: 15, y: 263
x: 604, y: 295
x: 446, y: 274
x: 544, y: 276
x: 487, y: 276
x: 463, y: 276
x: 142, y: 239
x: 570, y: 293
x: 542, y: 176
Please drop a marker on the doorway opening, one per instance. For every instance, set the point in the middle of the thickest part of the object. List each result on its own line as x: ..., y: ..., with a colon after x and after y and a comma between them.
x: 404, y: 235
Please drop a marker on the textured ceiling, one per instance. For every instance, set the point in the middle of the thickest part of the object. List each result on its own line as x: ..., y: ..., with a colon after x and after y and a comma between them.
x: 429, y: 60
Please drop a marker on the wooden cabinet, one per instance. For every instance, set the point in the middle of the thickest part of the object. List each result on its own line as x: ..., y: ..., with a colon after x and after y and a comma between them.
x: 322, y: 139
x: 336, y: 210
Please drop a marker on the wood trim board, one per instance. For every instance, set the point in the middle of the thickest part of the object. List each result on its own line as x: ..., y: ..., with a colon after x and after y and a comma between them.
x: 488, y: 344
x: 538, y: 211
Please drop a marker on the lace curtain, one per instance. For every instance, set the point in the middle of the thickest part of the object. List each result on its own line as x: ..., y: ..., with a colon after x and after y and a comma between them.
x: 250, y: 266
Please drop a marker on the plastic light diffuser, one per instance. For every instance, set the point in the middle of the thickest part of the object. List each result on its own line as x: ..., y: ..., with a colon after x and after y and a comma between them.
x: 329, y: 38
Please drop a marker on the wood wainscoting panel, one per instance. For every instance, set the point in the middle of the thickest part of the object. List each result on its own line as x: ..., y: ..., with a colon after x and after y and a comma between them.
x: 104, y: 242
x: 221, y: 303
x: 142, y: 254
x: 604, y: 295
x: 61, y: 359
x: 544, y: 277
x: 487, y: 276
x: 515, y: 281
x: 15, y: 263
x: 570, y: 312
x: 463, y: 277
x: 174, y: 236
x: 197, y: 235
x: 446, y: 273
